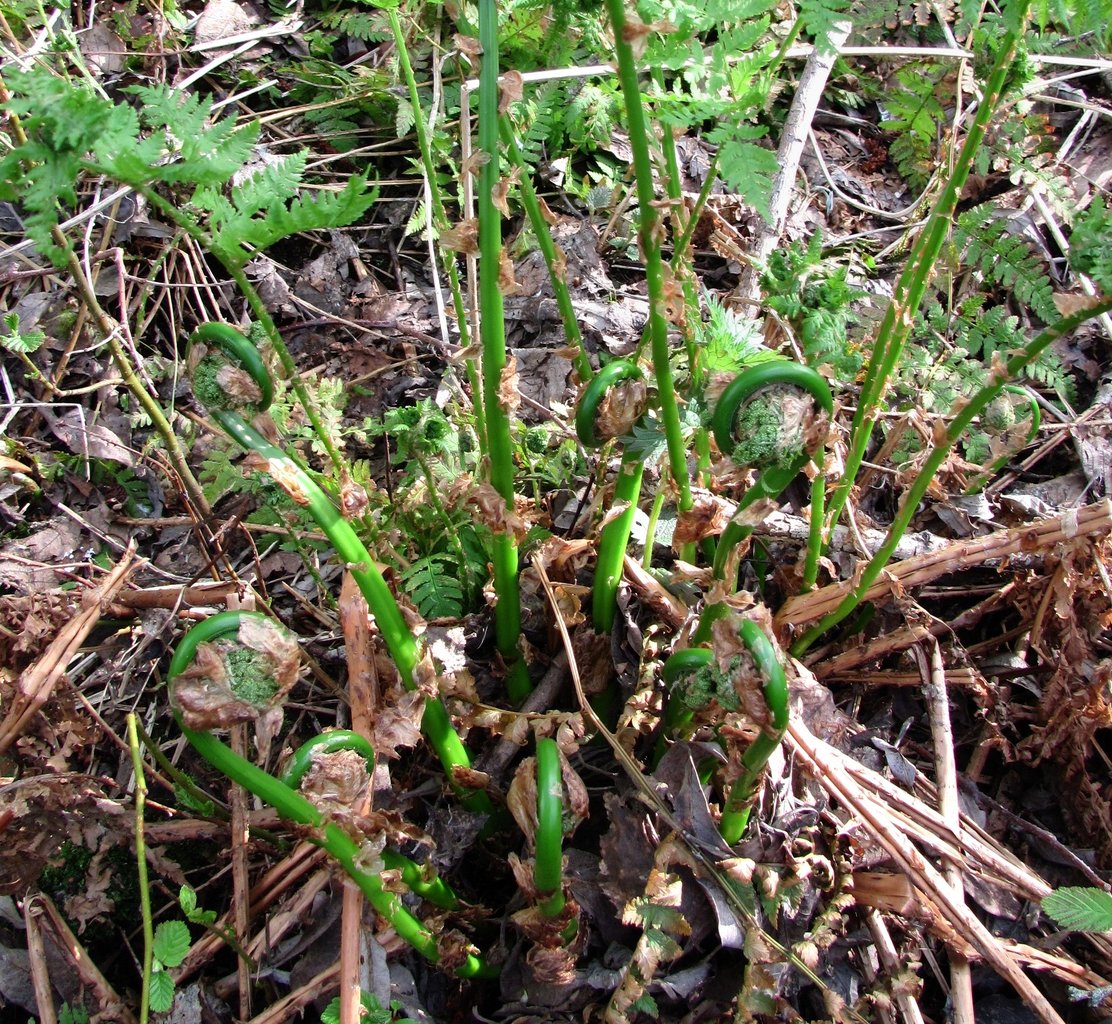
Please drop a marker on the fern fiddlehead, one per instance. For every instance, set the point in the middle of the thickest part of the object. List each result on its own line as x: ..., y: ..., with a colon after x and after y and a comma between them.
x: 1034, y: 415
x: 249, y: 380
x: 760, y: 439
x: 695, y: 669
x: 283, y: 796
x: 609, y: 406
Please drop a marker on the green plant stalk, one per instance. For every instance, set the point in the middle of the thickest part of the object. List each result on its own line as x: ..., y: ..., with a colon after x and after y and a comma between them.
x: 260, y: 312
x: 141, y: 868
x: 615, y: 534
x: 1032, y: 432
x: 774, y: 479
x: 295, y: 808
x: 492, y: 330
x: 676, y: 714
x: 648, y: 235
x: 612, y: 545
x: 899, y: 318
x: 743, y: 793
x: 431, y: 888
x: 435, y: 723
x: 547, y: 246
x: 814, y: 534
x: 650, y: 530
x: 548, y: 867
x: 440, y: 217
x: 915, y: 493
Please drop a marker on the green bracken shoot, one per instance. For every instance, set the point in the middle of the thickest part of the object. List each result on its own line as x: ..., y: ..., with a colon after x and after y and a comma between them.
x: 297, y: 809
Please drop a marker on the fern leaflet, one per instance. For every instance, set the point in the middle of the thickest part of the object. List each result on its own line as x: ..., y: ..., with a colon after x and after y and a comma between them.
x: 433, y: 584
x: 1005, y: 259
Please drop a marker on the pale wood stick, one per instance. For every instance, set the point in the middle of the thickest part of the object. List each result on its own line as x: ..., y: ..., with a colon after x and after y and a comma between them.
x: 923, y: 874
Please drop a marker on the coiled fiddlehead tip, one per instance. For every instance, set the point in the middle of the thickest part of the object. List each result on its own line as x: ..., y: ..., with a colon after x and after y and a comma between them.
x: 227, y: 370
x: 730, y: 410
x: 611, y: 403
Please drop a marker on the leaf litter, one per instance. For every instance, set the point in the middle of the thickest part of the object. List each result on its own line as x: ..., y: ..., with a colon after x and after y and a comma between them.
x: 823, y: 913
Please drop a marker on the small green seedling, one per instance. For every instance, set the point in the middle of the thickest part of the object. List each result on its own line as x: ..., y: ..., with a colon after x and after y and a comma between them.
x: 171, y: 945
x: 373, y: 1011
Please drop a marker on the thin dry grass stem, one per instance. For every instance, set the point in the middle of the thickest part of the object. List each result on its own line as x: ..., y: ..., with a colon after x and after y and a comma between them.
x: 291, y: 1007
x: 946, y: 773
x: 901, y: 639
x: 923, y: 875
x: 37, y: 684
x: 1091, y: 520
x: 40, y: 973
x: 54, y: 928
x: 290, y: 916
x: 891, y: 963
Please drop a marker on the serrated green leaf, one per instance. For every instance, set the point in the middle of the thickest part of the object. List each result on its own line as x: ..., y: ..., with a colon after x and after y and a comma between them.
x: 161, y: 992
x: 1080, y: 909
x: 187, y: 900
x: 171, y: 943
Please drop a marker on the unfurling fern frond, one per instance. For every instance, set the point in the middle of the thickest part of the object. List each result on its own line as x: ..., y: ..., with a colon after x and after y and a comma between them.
x: 1005, y: 259
x: 434, y: 586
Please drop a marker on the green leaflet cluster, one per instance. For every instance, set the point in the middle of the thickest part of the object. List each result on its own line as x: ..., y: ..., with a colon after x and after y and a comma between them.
x: 168, y: 138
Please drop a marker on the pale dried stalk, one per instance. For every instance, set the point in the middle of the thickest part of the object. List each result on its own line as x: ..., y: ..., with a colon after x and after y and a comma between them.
x: 946, y: 773
x: 890, y: 961
x: 363, y: 698
x: 40, y: 973
x: 912, y: 572
x: 37, y: 684
x: 923, y: 874
x: 290, y: 915
x: 291, y: 1006
x: 797, y: 127
x: 266, y: 890
x: 109, y: 1005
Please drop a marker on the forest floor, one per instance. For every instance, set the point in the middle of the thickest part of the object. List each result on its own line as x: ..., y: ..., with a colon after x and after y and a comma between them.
x: 949, y: 760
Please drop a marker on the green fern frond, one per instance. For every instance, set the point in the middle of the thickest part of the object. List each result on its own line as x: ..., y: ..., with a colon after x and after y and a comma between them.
x: 279, y: 220
x: 822, y: 18
x: 916, y: 118
x: 1090, y: 251
x: 368, y: 26
x: 433, y: 585
x: 1005, y: 259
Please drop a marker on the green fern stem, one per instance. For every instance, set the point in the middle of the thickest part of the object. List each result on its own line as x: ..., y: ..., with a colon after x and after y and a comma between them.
x: 614, y: 538
x: 547, y: 247
x: 259, y: 310
x: 814, y: 533
x: 440, y: 217
x: 295, y: 808
x: 899, y: 318
x: 649, y: 238
x: 774, y: 478
x: 548, y: 867
x: 684, y: 664
x: 937, y: 456
x: 400, y: 642
x: 492, y: 329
